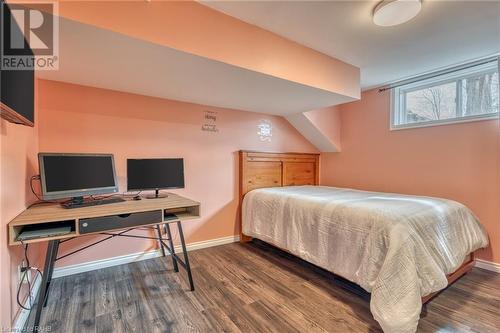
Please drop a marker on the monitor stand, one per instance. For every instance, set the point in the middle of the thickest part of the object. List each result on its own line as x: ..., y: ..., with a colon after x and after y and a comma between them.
x: 157, y: 195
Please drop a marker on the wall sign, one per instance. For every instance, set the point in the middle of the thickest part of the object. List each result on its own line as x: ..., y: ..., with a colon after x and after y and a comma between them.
x: 265, y: 130
x: 210, y: 122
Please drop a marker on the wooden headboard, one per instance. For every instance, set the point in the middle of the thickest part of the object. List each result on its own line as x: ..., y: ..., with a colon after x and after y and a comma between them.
x: 261, y: 169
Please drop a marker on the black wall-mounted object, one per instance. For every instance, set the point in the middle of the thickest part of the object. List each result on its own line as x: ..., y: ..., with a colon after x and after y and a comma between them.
x: 17, y: 87
x: 18, y: 96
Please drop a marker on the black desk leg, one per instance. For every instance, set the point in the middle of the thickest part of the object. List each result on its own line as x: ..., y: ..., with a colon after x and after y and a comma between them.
x: 171, y: 244
x: 186, y: 259
x: 50, y: 259
x: 51, y: 270
x: 159, y: 240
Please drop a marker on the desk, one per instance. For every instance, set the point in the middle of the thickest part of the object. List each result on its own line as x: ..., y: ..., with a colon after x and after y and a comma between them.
x: 111, y: 220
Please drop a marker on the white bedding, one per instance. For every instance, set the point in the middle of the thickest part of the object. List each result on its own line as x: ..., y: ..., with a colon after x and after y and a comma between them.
x: 397, y: 247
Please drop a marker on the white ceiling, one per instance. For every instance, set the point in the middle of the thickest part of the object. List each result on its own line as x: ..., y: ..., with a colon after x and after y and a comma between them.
x: 445, y: 32
x: 105, y: 59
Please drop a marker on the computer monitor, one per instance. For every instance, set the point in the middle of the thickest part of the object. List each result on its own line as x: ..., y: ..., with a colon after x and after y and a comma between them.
x: 155, y: 174
x: 76, y: 175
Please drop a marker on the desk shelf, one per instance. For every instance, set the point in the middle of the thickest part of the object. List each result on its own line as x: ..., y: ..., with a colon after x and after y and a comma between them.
x: 181, y: 213
x: 45, y: 239
x: 15, y: 231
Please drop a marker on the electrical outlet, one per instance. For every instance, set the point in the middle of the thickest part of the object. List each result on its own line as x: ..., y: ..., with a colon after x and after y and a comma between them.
x: 20, y: 273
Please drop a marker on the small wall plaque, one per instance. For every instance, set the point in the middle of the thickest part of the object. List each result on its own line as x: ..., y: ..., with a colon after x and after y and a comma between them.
x: 265, y: 130
x: 210, y: 122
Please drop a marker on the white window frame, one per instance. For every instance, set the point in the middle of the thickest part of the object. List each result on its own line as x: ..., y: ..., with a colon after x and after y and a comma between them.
x: 397, y: 101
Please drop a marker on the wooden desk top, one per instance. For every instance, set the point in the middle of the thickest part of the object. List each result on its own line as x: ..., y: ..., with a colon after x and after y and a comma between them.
x: 183, y: 208
x: 42, y: 213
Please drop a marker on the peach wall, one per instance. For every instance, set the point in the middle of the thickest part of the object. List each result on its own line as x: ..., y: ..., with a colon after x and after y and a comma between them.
x: 193, y: 28
x: 19, y: 146
x: 459, y: 161
x: 82, y: 119
x: 328, y: 122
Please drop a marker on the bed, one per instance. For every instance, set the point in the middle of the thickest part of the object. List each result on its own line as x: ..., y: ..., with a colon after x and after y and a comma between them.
x: 402, y: 249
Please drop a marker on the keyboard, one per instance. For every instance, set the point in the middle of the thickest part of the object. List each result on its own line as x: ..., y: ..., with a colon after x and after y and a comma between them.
x: 98, y: 202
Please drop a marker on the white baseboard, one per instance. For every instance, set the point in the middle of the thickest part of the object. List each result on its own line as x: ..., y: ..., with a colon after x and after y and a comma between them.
x: 133, y: 257
x: 23, y: 314
x: 488, y: 265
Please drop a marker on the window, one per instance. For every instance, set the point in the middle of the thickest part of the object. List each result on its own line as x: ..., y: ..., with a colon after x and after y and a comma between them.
x: 464, y: 95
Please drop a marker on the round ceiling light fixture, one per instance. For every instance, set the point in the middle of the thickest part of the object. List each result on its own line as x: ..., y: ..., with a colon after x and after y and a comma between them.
x: 394, y: 12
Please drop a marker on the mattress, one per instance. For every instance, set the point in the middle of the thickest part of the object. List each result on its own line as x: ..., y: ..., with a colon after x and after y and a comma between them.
x: 397, y: 247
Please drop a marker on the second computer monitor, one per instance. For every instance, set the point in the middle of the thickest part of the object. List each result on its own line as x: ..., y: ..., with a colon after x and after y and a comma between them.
x: 155, y: 174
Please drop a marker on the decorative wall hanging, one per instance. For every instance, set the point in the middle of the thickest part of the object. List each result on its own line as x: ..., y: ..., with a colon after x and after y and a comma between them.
x: 265, y: 130
x: 210, y: 122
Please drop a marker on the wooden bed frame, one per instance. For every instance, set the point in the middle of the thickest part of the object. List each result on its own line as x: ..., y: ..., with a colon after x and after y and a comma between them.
x: 264, y: 169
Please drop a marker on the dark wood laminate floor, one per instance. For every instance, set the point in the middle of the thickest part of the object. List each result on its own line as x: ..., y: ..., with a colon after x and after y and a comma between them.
x: 248, y: 288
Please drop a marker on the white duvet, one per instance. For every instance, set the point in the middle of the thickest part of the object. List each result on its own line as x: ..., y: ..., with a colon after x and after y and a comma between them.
x: 397, y: 247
